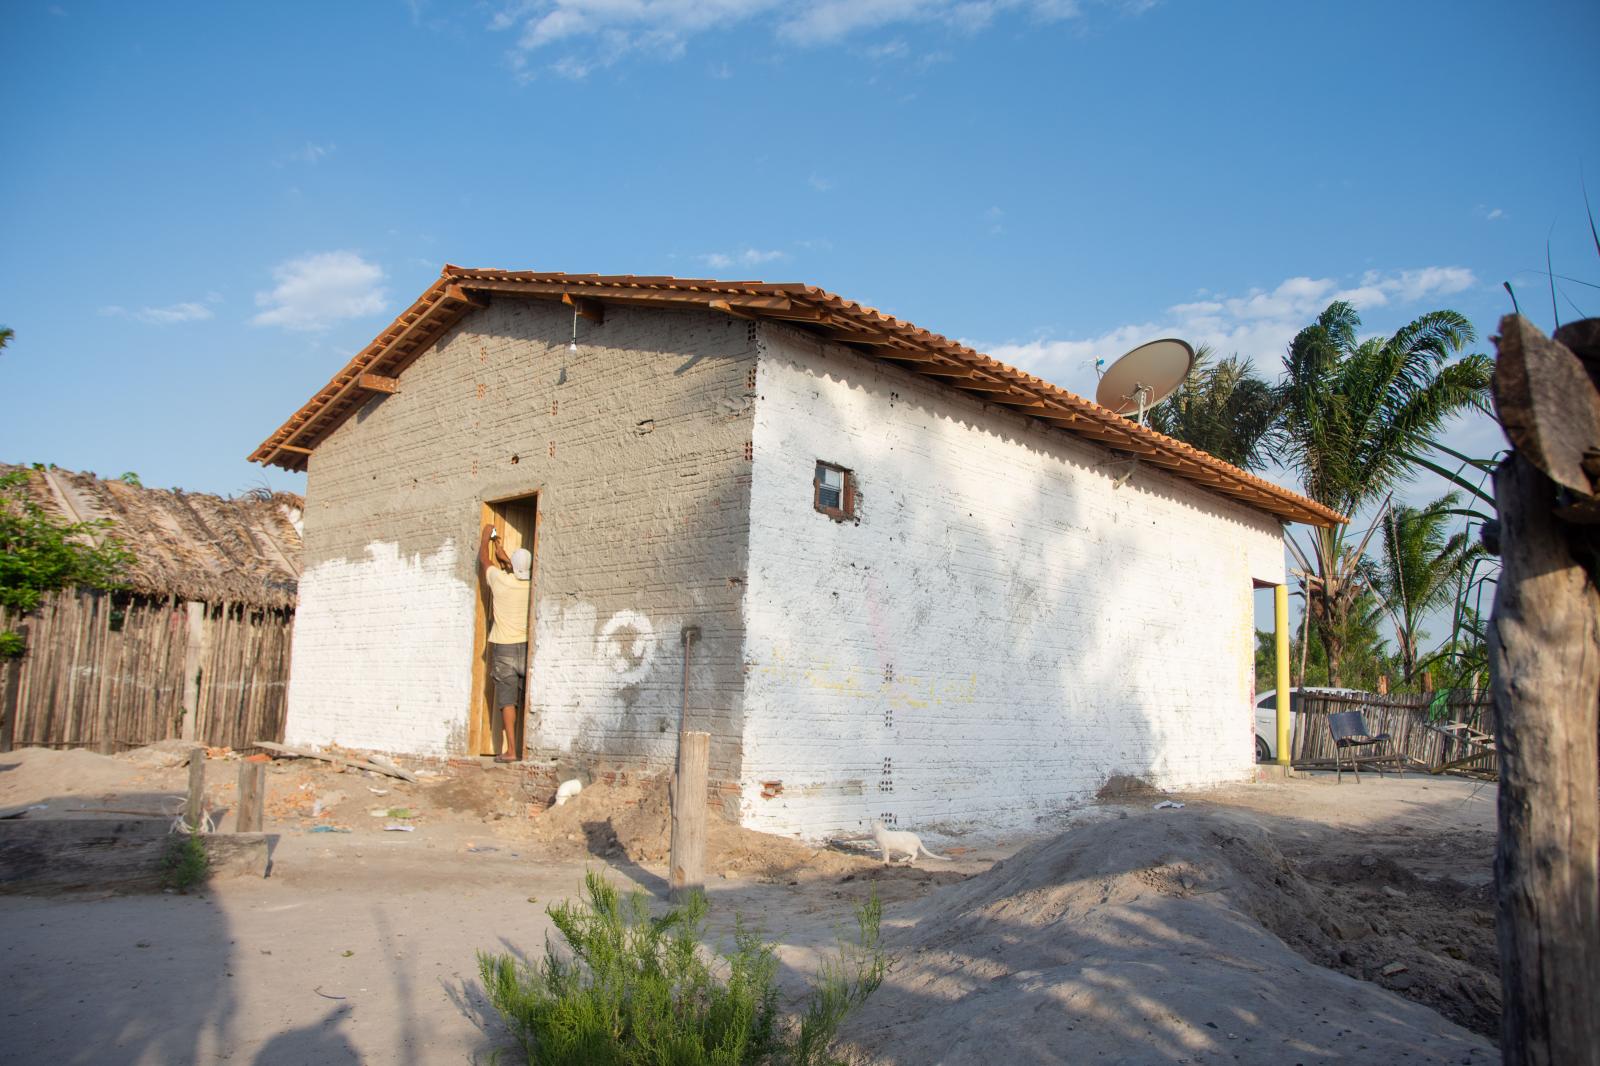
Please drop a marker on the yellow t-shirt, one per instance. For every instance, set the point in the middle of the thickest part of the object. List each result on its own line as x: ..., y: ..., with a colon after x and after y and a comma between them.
x: 508, y: 595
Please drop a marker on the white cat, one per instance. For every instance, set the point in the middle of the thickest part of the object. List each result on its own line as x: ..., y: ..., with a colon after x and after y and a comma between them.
x: 894, y: 841
x: 567, y: 790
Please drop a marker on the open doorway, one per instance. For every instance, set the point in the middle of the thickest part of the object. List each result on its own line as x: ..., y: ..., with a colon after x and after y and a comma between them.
x: 517, y: 521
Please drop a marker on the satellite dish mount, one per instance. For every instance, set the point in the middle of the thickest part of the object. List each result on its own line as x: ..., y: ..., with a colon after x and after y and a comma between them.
x: 1145, y: 377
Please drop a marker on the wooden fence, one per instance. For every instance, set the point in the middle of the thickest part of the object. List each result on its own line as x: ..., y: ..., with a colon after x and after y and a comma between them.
x: 112, y: 672
x: 1418, y: 723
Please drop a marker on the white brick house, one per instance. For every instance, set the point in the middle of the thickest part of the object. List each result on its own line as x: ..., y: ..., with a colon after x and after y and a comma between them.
x: 925, y: 584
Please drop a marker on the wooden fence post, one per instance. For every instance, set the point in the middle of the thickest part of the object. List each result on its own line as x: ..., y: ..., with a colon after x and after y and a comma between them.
x: 13, y: 703
x: 252, y: 797
x: 195, y: 647
x: 688, y: 873
x: 1544, y: 659
x: 194, y: 807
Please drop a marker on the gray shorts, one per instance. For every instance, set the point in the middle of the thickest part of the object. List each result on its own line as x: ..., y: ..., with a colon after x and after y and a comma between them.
x: 507, y: 665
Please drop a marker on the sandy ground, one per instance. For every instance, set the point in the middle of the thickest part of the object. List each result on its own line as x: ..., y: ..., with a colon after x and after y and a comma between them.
x: 1254, y: 925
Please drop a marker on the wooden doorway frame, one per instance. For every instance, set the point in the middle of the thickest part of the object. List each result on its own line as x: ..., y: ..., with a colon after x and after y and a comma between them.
x: 516, y: 518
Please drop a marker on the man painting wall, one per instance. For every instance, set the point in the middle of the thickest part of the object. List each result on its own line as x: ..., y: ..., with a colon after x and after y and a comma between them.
x: 509, y: 583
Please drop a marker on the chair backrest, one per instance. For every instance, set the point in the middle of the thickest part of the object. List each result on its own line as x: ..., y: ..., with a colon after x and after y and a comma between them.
x: 1347, y: 724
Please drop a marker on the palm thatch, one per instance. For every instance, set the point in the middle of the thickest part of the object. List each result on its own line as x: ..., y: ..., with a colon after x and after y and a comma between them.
x: 190, y: 545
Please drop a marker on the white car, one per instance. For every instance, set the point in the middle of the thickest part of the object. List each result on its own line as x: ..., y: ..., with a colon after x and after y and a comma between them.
x: 1267, y: 717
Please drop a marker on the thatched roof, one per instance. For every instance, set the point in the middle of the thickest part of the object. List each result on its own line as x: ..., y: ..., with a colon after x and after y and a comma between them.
x: 189, y: 544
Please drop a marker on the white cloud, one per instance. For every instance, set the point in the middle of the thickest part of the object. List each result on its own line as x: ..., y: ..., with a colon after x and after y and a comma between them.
x: 172, y: 314
x: 309, y: 153
x: 820, y: 183
x: 313, y: 153
x: 572, y: 38
x: 1487, y: 213
x: 1258, y: 324
x: 750, y: 257
x: 315, y: 291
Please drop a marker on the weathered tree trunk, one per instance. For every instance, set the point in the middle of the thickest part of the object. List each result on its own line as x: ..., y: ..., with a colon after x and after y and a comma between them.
x: 1544, y: 647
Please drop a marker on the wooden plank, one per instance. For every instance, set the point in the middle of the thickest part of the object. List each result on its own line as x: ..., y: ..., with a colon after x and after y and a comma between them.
x: 252, y: 797
x: 194, y: 805
x: 688, y: 862
x: 480, y: 726
x: 1544, y: 658
x: 379, y: 383
x: 360, y: 764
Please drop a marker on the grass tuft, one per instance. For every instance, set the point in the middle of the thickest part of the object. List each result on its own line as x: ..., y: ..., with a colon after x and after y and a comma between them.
x: 186, y: 864
x: 638, y: 989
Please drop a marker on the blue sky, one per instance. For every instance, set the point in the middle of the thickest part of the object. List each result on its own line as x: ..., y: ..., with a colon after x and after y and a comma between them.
x: 207, y: 208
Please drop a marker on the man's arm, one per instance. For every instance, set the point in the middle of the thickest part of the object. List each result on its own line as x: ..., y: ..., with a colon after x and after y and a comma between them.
x: 490, y: 552
x: 485, y: 557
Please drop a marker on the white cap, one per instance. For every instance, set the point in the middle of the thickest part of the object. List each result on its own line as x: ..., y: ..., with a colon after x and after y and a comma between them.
x: 522, y: 563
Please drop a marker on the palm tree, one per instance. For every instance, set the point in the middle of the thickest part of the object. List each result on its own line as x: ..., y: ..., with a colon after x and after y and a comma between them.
x: 1354, y: 412
x: 1420, y: 568
x: 1223, y: 408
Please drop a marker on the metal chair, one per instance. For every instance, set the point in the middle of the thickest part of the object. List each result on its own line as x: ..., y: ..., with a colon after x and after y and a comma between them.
x: 1349, y: 731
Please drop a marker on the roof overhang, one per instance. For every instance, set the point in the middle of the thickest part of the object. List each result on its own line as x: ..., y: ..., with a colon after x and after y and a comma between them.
x: 459, y: 290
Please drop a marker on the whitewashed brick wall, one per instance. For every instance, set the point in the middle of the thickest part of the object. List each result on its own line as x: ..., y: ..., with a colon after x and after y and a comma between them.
x: 380, y: 639
x: 1000, y: 633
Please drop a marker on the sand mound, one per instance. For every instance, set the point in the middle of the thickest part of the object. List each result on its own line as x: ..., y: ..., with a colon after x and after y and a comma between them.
x: 1162, y: 936
x: 34, y: 775
x: 634, y: 819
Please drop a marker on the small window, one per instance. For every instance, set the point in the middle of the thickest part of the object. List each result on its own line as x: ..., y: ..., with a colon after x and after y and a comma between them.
x: 834, y: 492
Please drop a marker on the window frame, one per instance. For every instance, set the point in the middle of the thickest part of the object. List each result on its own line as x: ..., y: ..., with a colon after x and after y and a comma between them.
x: 846, y: 511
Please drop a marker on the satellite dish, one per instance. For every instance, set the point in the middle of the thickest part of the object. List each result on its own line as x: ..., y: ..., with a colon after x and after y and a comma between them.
x: 1145, y: 376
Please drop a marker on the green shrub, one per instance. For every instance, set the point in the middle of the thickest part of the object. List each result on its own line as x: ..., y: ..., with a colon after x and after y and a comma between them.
x: 641, y: 990
x: 187, y: 864
x: 40, y: 552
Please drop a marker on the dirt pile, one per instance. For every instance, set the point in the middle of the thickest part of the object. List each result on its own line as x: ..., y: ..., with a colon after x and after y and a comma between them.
x: 633, y: 818
x: 35, y: 775
x: 1166, y: 932
x: 1431, y: 940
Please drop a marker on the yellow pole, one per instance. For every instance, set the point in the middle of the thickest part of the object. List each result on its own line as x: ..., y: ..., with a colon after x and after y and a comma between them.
x: 1280, y: 631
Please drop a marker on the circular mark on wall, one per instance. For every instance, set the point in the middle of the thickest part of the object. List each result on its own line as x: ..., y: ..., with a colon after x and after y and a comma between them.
x: 627, y: 644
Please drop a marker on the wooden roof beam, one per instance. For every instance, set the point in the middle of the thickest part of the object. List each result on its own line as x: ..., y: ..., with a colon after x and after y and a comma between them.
x: 460, y: 295
x: 592, y: 310
x: 626, y: 293
x: 847, y: 336
x: 418, y: 325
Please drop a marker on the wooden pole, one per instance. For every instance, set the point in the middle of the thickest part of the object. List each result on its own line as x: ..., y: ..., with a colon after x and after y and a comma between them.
x: 689, y: 815
x: 1544, y: 677
x: 1544, y: 651
x: 252, y: 797
x: 194, y: 807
